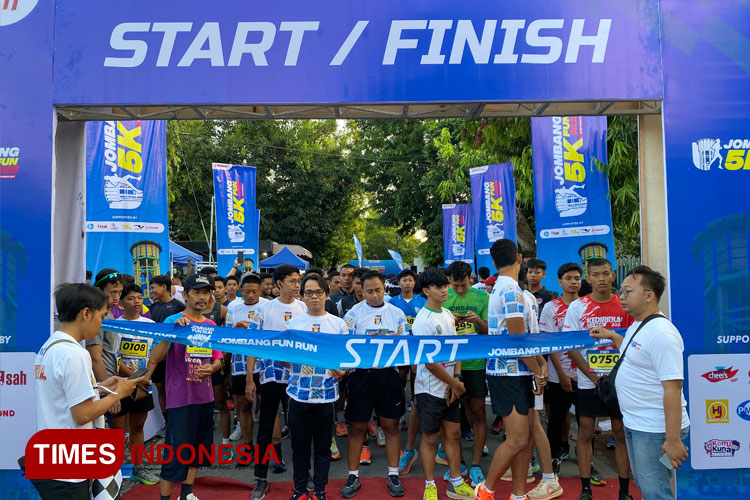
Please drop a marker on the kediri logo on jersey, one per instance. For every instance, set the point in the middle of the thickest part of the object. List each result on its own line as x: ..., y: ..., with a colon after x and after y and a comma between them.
x: 123, y: 150
x: 236, y: 211
x: 569, y: 170
x: 732, y: 155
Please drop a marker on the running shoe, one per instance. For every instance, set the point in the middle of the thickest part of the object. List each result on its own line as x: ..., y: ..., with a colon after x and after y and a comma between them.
x: 285, y: 432
x: 496, y: 425
x: 596, y: 478
x: 403, y: 422
x: 395, y: 488
x: 406, y: 460
x: 335, y: 453
x: 611, y: 443
x: 464, y: 472
x: 299, y: 495
x: 279, y: 468
x: 468, y: 435
x: 318, y: 495
x: 143, y: 476
x: 481, y: 493
x: 625, y: 497
x: 546, y: 490
x: 351, y: 487
x: 461, y: 492
x: 508, y: 476
x: 364, y: 456
x: 564, y: 454
x: 372, y: 429
x: 556, y: 466
x: 586, y: 495
x: 475, y: 473
x: 261, y: 488
x: 236, y: 434
x: 341, y: 429
x: 380, y: 437
x: 535, y: 467
x: 430, y: 492
x: 440, y: 457
x: 485, y: 451
x: 191, y: 496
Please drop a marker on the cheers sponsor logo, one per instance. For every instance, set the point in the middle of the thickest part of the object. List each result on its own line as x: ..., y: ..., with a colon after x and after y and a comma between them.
x: 721, y: 447
x: 721, y: 373
x: 717, y: 411
x: 74, y: 453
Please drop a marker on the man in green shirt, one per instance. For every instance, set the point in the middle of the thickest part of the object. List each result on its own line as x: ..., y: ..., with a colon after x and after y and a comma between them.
x: 469, y: 307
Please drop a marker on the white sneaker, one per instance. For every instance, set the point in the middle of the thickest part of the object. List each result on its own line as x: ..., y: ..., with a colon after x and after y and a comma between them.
x: 545, y: 490
x: 381, y: 437
x: 190, y: 497
x: 236, y: 434
x: 508, y: 476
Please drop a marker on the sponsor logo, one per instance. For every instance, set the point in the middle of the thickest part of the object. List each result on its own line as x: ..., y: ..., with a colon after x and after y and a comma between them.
x: 710, y: 152
x: 9, y: 378
x: 569, y: 170
x: 198, y: 339
x: 122, y: 154
x: 236, y: 211
x: 458, y: 233
x: 720, y: 373
x: 721, y: 447
x: 12, y: 11
x: 9, y: 158
x: 717, y: 411
x: 743, y: 410
x: 74, y: 453
x: 494, y: 211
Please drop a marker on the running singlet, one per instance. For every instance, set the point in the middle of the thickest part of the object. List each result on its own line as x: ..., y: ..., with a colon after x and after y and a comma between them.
x: 585, y: 314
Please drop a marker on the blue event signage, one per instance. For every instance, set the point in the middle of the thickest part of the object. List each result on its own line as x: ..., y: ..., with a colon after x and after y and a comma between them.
x: 127, y: 223
x: 323, y: 52
x: 571, y: 194
x: 458, y: 233
x: 236, y: 216
x: 493, y: 201
x: 357, y: 351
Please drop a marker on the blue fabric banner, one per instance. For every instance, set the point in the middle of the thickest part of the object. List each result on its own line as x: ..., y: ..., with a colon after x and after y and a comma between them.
x: 571, y: 194
x: 493, y: 201
x: 236, y: 216
x: 127, y: 222
x: 397, y: 257
x: 358, y: 248
x: 458, y: 233
x: 357, y: 351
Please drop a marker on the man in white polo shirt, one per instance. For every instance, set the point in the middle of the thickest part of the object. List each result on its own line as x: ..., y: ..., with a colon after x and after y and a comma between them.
x: 649, y: 386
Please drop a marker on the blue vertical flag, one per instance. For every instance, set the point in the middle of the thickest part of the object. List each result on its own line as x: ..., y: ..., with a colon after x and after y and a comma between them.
x: 358, y: 248
x: 236, y: 215
x: 458, y: 233
x: 493, y: 201
x: 397, y: 257
x: 127, y: 221
x: 571, y: 194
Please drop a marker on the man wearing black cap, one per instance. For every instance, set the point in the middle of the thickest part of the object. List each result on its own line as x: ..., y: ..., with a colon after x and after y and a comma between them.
x: 188, y: 387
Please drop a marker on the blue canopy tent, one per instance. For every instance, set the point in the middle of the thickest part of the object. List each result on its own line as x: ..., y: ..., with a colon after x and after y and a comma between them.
x: 285, y: 256
x: 181, y: 255
x: 384, y: 266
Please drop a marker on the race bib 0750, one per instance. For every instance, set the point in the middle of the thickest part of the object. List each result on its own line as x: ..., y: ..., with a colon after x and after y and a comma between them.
x: 602, y: 361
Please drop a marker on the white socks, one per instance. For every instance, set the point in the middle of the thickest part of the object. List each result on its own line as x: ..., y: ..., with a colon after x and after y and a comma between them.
x: 354, y: 472
x: 393, y: 471
x: 456, y: 481
x: 550, y: 478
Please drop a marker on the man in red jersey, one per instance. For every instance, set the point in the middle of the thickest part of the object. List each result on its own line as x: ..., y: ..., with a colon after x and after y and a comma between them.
x: 599, y: 308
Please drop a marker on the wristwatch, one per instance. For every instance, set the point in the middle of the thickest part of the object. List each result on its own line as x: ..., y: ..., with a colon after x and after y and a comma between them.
x: 459, y: 377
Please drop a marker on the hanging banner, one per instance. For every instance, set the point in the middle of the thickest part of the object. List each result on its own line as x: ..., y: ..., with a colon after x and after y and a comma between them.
x: 493, y: 201
x: 397, y: 257
x: 458, y: 233
x: 707, y: 153
x: 127, y: 221
x: 571, y: 194
x: 358, y: 249
x: 236, y: 216
x: 357, y: 351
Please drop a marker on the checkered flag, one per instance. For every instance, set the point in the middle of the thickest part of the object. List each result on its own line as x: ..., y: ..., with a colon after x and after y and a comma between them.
x: 107, y: 488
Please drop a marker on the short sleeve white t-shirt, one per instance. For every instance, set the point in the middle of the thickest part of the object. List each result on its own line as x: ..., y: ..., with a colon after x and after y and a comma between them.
x: 655, y: 355
x: 363, y: 319
x: 273, y: 315
x: 430, y: 322
x: 551, y: 321
x: 63, y: 379
x: 506, y: 301
x: 531, y: 311
x: 312, y: 384
x: 237, y: 312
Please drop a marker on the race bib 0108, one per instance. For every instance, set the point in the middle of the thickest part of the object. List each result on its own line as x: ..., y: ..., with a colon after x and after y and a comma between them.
x: 133, y: 348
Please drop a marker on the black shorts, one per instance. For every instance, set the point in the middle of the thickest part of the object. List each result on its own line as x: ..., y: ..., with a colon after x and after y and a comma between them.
x: 433, y: 410
x: 130, y: 405
x: 376, y: 389
x: 475, y: 382
x: 554, y: 395
x: 508, y: 393
x: 590, y: 405
x: 192, y: 425
x: 160, y: 372
x: 220, y: 376
x: 237, y: 387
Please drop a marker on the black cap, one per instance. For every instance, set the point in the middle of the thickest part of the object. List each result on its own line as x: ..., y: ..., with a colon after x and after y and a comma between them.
x: 195, y: 281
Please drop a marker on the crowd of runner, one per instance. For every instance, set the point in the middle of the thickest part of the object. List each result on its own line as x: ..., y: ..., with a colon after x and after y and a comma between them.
x: 441, y: 402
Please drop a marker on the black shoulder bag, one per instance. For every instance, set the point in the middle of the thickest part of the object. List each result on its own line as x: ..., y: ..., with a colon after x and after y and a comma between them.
x: 605, y: 388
